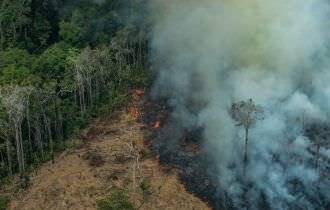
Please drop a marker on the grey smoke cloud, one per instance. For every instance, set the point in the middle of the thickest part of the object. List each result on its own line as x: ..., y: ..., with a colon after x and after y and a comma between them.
x: 214, y: 52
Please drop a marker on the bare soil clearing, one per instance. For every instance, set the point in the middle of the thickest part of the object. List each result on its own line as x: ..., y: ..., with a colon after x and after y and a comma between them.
x: 77, y: 181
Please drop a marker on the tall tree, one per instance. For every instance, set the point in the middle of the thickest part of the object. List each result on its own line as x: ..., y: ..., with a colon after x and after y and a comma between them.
x: 14, y: 99
x: 318, y: 133
x: 246, y: 114
x: 5, y: 135
x: 14, y: 21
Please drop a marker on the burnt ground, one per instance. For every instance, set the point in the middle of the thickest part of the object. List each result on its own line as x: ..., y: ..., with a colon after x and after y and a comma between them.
x: 182, y: 148
x: 195, y: 166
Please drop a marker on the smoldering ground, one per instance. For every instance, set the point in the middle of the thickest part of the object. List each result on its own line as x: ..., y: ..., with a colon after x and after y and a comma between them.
x: 209, y: 54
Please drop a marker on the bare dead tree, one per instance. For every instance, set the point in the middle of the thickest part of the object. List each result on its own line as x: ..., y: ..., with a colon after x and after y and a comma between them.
x: 80, y: 88
x: 14, y: 99
x: 319, y: 135
x: 92, y: 69
x: 86, y: 74
x: 48, y: 96
x: 246, y: 114
x: 319, y: 143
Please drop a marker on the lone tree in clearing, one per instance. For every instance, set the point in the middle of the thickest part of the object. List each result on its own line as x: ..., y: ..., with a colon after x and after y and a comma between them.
x: 246, y: 114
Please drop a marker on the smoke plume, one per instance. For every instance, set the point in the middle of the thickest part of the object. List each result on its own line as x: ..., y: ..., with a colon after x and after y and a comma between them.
x: 211, y: 53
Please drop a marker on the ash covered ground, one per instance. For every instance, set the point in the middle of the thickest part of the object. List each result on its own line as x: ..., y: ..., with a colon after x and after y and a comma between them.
x: 184, y: 149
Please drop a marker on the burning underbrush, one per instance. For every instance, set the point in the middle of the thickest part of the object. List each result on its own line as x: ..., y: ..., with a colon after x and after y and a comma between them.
x: 186, y: 155
x: 184, y: 149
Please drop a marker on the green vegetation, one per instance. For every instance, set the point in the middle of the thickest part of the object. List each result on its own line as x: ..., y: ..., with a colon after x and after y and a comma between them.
x: 118, y: 200
x: 3, y: 202
x: 145, y: 187
x: 62, y: 63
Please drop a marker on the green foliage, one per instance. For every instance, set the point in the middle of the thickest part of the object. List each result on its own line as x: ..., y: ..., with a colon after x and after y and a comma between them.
x: 70, y: 33
x: 25, y: 182
x: 53, y: 63
x: 72, y: 144
x: 73, y: 61
x: 14, y: 19
x: 42, y: 31
x: 29, y: 24
x: 15, y: 65
x: 141, y: 78
x: 5, y: 180
x: 4, y: 201
x: 118, y: 200
x: 145, y: 186
x: 3, y: 167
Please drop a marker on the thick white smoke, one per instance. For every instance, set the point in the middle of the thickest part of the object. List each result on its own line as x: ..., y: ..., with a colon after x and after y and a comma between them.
x: 211, y: 53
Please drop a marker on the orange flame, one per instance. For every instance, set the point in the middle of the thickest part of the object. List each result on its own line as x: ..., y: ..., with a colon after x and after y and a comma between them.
x: 139, y: 92
x: 157, y: 124
x: 134, y: 109
x: 134, y: 112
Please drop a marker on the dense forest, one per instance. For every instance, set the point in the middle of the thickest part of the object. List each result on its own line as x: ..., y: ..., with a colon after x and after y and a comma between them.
x: 63, y: 62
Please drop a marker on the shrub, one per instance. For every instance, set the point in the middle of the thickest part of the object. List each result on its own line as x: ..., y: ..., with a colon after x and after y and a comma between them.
x: 4, y: 201
x: 118, y: 200
x: 145, y: 187
x: 5, y: 180
x: 73, y: 144
x: 25, y: 182
x: 95, y: 158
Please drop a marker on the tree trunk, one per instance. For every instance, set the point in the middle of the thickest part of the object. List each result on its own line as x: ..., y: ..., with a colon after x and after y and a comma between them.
x: 10, y: 167
x: 61, y: 125
x: 22, y: 146
x: 2, y: 36
x: 50, y: 137
x: 246, y: 144
x: 51, y: 141
x: 39, y: 139
x: 2, y: 158
x: 140, y: 51
x: 317, y: 157
x: 89, y: 80
x: 28, y: 124
x: 18, y: 150
x: 14, y: 31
